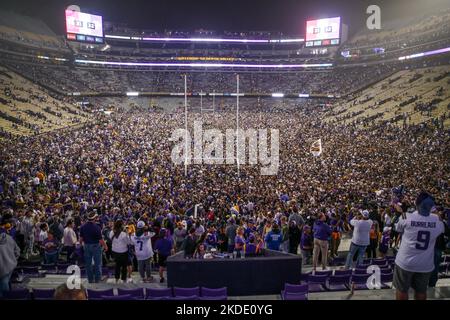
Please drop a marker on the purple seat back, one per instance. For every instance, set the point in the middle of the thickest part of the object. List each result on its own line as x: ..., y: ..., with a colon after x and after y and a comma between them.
x: 214, y: 292
x: 360, y: 278
x: 317, y: 278
x: 43, y: 294
x: 295, y: 288
x: 97, y: 294
x: 135, y: 293
x: 215, y: 298
x: 30, y: 270
x: 387, y: 277
x: 339, y: 279
x: 295, y: 296
x: 119, y: 297
x: 343, y: 272
x: 193, y: 297
x: 17, y: 294
x: 323, y: 272
x: 360, y: 271
x: 158, y: 293
x: 379, y: 262
x: 186, y: 292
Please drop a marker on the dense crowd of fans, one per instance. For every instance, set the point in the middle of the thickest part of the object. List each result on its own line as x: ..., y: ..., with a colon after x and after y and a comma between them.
x: 118, y: 174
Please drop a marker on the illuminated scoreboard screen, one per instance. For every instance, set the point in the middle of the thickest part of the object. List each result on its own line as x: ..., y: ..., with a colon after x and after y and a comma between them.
x: 84, y: 27
x: 323, y: 32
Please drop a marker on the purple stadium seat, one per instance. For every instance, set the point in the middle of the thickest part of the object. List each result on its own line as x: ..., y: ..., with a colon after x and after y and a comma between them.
x: 316, y: 283
x: 322, y: 272
x: 367, y: 261
x: 343, y: 272
x: 216, y: 292
x: 359, y: 281
x: 17, y: 294
x: 159, y: 294
x: 363, y: 266
x: 134, y: 293
x: 98, y: 294
x: 182, y: 298
x: 62, y: 266
x: 339, y: 282
x: 294, y: 289
x: 295, y: 296
x: 360, y: 271
x: 379, y: 262
x: 186, y: 292
x: 31, y: 271
x: 119, y: 297
x: 215, y: 298
x: 49, y: 268
x: 43, y: 294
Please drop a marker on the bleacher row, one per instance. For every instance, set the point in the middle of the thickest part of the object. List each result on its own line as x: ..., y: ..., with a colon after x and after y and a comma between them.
x: 348, y: 279
x: 173, y: 293
x: 312, y: 282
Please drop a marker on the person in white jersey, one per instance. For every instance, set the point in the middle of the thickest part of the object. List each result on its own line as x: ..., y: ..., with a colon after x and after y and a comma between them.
x: 143, y: 250
x: 415, y: 258
x: 360, y: 238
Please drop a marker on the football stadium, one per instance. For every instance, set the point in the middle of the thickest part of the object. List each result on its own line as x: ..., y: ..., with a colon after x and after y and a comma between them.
x: 168, y: 150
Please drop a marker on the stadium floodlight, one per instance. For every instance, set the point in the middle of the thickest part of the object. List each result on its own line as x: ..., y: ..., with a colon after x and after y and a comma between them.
x: 303, y: 95
x: 204, y: 65
x: 277, y: 95
x: 132, y: 94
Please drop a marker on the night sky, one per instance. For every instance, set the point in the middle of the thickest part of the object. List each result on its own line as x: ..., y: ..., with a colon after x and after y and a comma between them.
x: 287, y: 16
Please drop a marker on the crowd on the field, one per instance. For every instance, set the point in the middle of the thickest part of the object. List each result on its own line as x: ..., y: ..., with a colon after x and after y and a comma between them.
x: 118, y: 174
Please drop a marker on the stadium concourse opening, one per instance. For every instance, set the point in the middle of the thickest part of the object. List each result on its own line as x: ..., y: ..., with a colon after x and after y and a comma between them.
x: 99, y: 201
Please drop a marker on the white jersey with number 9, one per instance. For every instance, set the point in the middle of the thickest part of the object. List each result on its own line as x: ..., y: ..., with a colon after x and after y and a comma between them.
x: 419, y: 233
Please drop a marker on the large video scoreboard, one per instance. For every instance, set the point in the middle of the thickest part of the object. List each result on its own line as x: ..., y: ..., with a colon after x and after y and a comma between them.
x: 84, y: 27
x: 323, y: 32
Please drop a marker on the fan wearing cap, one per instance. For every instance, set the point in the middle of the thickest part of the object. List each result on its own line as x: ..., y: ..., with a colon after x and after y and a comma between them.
x: 143, y: 250
x: 360, y: 239
x: 91, y: 238
x: 415, y: 258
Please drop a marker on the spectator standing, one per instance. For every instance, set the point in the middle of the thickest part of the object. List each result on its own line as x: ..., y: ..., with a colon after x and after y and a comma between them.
x: 322, y: 232
x: 415, y: 258
x: 306, y: 244
x: 294, y: 237
x: 164, y: 247
x: 230, y: 231
x: 274, y: 238
x: 92, y: 241
x: 9, y: 253
x: 360, y: 239
x: 69, y: 240
x: 120, y: 242
x: 143, y: 250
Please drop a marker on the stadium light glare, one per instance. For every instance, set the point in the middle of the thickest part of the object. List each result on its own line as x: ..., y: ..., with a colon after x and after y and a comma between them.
x: 277, y: 95
x: 303, y: 95
x: 132, y: 94
x: 426, y: 53
x: 204, y: 65
x: 117, y: 37
x: 205, y: 39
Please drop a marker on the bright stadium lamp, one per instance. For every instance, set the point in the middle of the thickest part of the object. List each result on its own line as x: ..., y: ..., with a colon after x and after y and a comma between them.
x: 277, y: 95
x: 132, y: 94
